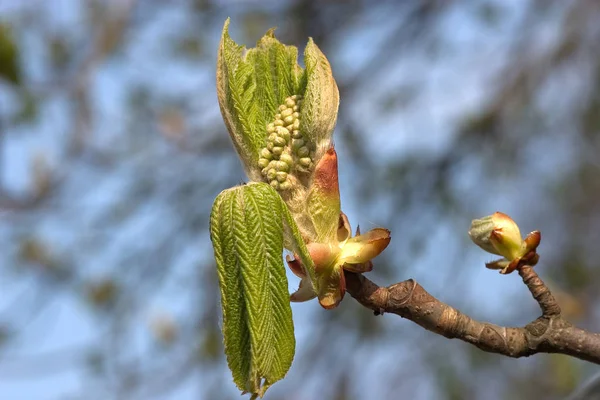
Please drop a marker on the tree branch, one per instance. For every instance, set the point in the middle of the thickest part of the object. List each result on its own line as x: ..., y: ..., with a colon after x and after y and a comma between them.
x: 550, y: 333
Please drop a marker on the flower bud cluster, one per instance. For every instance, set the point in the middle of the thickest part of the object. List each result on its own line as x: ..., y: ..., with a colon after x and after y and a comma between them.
x: 286, y: 147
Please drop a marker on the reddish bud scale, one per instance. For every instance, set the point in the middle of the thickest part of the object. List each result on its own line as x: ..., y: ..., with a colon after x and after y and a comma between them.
x: 326, y: 175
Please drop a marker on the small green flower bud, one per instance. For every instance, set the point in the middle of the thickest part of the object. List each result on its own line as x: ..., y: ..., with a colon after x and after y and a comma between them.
x: 265, y: 153
x: 273, y: 165
x: 290, y: 102
x: 289, y: 119
x: 271, y: 128
x: 297, y: 143
x: 287, y: 159
x: 263, y: 162
x: 285, y: 185
x: 305, y: 162
x: 296, y: 134
x: 282, y: 108
x: 286, y: 112
x: 296, y: 125
x: 282, y: 166
x: 277, y: 150
x: 283, y: 133
x: 278, y: 122
x: 281, y: 176
x: 302, y: 151
x: 279, y: 141
x: 274, y: 184
x: 271, y: 173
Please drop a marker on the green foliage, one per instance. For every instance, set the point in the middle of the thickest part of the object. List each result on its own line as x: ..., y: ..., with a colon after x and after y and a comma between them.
x: 9, y: 56
x: 247, y: 231
x: 261, y: 96
x: 321, y: 93
x: 251, y: 85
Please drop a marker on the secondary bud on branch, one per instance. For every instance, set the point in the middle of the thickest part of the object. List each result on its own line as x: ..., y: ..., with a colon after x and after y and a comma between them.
x: 499, y: 234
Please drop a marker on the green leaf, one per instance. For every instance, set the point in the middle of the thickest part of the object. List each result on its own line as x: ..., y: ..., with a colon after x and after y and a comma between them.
x: 251, y: 84
x: 321, y: 97
x: 246, y: 228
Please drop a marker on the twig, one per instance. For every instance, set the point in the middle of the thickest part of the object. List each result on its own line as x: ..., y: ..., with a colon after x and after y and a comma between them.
x: 550, y: 333
x: 539, y: 291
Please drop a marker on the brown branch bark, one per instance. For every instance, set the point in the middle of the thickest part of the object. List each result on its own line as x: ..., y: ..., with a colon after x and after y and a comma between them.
x: 550, y: 333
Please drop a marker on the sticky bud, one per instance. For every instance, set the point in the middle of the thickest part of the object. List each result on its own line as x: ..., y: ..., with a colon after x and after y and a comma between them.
x: 499, y: 234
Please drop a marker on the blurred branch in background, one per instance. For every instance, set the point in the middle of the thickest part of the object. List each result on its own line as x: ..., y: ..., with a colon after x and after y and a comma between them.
x: 112, y: 149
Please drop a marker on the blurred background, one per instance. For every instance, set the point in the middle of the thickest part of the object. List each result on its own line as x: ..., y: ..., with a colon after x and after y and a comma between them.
x: 112, y: 149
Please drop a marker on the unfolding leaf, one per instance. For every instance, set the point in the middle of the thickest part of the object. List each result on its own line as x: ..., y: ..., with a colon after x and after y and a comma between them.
x: 247, y: 231
x: 261, y: 96
x: 251, y: 84
x: 322, y: 94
